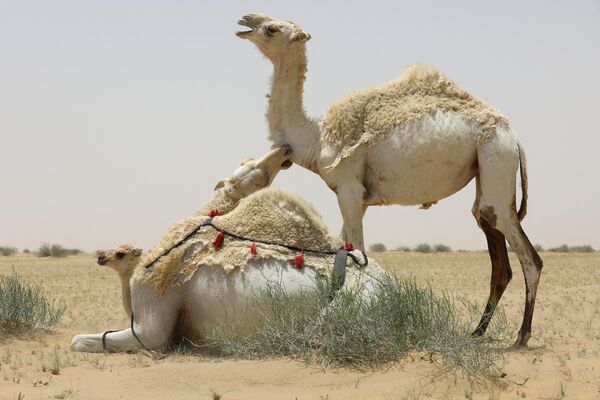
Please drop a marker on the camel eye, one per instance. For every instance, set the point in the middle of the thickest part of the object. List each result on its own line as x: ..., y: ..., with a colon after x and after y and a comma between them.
x: 271, y: 29
x: 120, y: 254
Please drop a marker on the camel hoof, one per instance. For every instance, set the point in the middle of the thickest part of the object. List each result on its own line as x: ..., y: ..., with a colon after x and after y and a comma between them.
x: 86, y: 344
x: 477, y: 333
x: 519, y: 345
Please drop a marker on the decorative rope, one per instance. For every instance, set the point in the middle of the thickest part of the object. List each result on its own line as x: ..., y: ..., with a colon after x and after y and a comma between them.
x: 297, y: 261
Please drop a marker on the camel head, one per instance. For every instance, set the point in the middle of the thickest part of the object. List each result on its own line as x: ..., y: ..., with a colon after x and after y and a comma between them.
x: 272, y: 37
x: 123, y: 259
x: 254, y: 175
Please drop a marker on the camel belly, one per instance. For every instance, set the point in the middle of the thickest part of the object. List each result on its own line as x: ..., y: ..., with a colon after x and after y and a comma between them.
x: 423, y: 162
x: 216, y: 298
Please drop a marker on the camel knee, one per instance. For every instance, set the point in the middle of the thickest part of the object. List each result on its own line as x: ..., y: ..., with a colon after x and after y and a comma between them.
x: 487, y: 213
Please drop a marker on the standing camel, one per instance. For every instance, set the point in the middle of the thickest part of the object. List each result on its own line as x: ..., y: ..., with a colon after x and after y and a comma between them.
x: 412, y: 141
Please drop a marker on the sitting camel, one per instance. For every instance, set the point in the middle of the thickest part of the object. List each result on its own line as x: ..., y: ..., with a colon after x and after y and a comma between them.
x: 123, y: 260
x: 201, y: 276
x: 412, y: 141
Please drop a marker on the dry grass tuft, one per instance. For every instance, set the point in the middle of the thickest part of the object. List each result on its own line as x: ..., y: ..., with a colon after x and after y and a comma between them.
x: 400, y: 318
x: 25, y: 308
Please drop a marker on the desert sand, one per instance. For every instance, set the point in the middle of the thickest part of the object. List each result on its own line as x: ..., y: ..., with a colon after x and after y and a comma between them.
x: 563, y: 360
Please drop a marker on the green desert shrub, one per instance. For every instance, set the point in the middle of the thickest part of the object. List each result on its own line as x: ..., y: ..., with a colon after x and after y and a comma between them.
x: 563, y: 248
x: 403, y: 248
x: 7, y: 251
x: 366, y: 333
x: 586, y: 248
x: 572, y: 249
x: 24, y: 307
x: 377, y: 248
x: 441, y: 248
x: 56, y: 250
x: 423, y: 248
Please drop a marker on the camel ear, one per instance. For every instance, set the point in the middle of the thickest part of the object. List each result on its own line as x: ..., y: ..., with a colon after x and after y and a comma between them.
x: 220, y: 184
x: 137, y: 252
x: 301, y: 37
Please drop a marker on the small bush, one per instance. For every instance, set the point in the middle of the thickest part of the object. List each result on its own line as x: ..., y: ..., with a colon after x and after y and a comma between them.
x: 403, y: 248
x: 366, y: 333
x: 24, y: 307
x: 582, y: 249
x: 423, y: 248
x: 442, y: 248
x: 572, y: 249
x: 26, y: 251
x: 560, y: 249
x: 377, y: 248
x: 538, y: 247
x: 55, y: 250
x: 7, y: 251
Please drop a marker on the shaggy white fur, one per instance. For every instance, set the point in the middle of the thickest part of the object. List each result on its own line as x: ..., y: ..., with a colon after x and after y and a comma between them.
x: 370, y: 115
x: 269, y: 215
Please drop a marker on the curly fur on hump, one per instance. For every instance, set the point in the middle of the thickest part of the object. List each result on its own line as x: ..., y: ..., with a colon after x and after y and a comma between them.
x: 269, y: 215
x: 367, y: 115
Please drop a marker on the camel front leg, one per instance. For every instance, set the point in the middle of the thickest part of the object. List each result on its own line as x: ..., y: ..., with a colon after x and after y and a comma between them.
x: 350, y: 200
x: 154, y: 322
x: 119, y: 341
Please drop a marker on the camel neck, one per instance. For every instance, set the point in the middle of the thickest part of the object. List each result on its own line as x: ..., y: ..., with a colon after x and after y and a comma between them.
x: 288, y: 122
x: 221, y: 201
x: 126, y: 291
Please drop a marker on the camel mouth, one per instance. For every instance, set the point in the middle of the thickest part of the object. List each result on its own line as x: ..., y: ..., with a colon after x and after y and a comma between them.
x: 244, y: 22
x: 102, y: 261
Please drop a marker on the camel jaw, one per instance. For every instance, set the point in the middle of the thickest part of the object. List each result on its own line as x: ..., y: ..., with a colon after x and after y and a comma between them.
x: 251, y: 21
x: 242, y: 34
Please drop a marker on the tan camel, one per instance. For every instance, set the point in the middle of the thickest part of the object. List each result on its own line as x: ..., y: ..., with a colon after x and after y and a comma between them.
x: 123, y: 259
x: 412, y: 141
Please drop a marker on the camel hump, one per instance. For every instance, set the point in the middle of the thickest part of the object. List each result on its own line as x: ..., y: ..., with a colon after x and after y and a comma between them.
x: 276, y: 216
x: 370, y: 115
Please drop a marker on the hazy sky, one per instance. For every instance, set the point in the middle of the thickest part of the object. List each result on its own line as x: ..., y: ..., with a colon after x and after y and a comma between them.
x: 118, y: 117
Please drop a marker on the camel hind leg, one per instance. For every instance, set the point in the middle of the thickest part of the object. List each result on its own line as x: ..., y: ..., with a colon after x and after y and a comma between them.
x: 501, y: 271
x: 498, y: 163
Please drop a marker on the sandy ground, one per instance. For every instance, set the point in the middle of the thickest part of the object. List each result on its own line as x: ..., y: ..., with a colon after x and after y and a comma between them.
x: 563, y: 360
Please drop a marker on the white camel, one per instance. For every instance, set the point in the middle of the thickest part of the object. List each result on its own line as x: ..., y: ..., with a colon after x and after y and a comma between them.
x: 203, y: 283
x: 413, y: 141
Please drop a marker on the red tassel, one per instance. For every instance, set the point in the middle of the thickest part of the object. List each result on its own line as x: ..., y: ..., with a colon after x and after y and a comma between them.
x: 214, y: 213
x: 299, y: 260
x: 348, y: 246
x: 219, y: 239
x: 253, y: 250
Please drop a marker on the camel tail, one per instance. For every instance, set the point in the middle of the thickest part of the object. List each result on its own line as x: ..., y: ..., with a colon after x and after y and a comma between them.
x: 524, y: 185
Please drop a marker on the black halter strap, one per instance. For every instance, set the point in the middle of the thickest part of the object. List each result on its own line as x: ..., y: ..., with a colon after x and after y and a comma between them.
x: 132, y: 331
